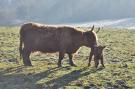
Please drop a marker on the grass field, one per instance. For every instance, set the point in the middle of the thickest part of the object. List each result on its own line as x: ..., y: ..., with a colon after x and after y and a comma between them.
x: 118, y: 74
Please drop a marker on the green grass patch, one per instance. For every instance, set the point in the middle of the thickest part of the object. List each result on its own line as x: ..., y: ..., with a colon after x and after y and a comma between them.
x: 119, y: 71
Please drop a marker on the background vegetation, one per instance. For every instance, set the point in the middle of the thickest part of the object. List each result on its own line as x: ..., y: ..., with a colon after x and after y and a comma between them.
x: 14, y: 12
x: 118, y: 74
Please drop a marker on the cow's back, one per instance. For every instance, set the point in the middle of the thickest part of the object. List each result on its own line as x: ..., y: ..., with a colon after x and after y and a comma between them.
x: 38, y: 37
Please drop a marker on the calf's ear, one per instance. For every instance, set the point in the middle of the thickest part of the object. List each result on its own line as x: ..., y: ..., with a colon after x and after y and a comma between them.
x: 103, y: 47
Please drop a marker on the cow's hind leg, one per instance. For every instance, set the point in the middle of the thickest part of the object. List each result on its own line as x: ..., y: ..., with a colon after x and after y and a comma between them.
x: 71, y: 59
x: 26, y: 59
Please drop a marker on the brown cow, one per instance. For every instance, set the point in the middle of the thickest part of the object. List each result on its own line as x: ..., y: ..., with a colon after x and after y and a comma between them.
x: 50, y: 39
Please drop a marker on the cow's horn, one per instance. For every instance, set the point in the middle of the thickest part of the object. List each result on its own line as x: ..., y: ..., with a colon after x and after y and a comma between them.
x: 92, y: 28
x: 98, y: 30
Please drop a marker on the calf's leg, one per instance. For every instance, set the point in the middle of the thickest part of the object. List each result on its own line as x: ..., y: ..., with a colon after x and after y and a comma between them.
x: 102, y: 61
x: 96, y: 62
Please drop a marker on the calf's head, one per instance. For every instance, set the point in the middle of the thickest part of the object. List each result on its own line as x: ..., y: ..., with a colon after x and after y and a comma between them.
x: 98, y: 55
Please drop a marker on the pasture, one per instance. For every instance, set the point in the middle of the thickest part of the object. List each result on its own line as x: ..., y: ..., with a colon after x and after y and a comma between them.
x: 119, y: 57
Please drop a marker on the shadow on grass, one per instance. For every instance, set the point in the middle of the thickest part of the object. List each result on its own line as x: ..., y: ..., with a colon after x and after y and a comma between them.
x: 67, y: 78
x: 29, y: 81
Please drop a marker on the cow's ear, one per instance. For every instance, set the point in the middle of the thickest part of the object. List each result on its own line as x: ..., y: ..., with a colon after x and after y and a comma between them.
x: 92, y: 28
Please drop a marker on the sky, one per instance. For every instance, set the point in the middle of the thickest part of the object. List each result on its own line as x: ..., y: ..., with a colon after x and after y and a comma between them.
x: 64, y: 11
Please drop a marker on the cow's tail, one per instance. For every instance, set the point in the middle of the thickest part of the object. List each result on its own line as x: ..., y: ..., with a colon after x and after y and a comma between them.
x: 20, y: 46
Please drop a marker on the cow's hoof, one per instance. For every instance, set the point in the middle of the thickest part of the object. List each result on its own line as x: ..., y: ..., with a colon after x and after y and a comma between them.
x: 27, y: 64
x: 74, y: 65
x: 89, y: 65
x: 59, y: 66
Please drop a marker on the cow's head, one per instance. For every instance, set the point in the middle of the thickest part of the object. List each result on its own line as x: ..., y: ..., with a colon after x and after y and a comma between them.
x: 91, y: 38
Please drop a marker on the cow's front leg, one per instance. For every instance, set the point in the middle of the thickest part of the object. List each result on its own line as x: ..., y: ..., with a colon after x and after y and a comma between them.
x: 61, y: 56
x: 90, y: 57
x: 71, y: 59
